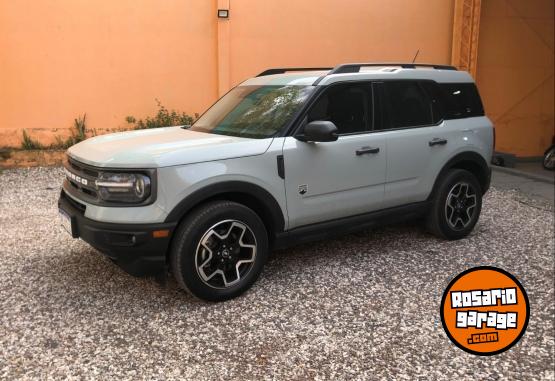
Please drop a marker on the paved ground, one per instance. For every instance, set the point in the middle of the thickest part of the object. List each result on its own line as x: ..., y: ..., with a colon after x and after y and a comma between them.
x: 534, y: 168
x: 363, y: 306
x: 536, y: 187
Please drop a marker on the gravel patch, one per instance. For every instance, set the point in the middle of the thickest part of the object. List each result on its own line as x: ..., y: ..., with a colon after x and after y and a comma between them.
x: 363, y: 306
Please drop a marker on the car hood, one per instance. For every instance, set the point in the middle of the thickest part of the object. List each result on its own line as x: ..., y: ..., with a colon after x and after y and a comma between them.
x: 163, y: 147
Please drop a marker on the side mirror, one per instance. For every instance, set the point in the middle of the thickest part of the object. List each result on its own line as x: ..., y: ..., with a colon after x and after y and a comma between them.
x: 319, y: 131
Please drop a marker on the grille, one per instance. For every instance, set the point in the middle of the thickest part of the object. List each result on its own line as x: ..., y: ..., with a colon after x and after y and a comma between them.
x: 82, y: 168
x: 82, y: 179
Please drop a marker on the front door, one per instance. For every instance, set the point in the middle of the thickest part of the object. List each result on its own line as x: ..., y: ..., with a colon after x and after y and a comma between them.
x: 331, y: 180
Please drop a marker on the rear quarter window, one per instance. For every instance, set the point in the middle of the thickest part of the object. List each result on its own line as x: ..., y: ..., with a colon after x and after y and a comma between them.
x: 461, y: 100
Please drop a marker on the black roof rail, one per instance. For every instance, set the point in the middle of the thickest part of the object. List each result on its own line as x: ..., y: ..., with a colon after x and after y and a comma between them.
x: 355, y: 67
x: 281, y: 70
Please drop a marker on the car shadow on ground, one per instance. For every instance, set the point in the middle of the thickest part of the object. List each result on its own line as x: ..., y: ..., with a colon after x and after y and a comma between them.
x: 84, y: 273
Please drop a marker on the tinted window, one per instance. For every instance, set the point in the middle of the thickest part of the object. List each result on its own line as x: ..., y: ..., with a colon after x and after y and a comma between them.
x: 379, y: 119
x: 253, y: 111
x: 347, y: 106
x: 437, y: 97
x: 409, y: 106
x: 462, y: 100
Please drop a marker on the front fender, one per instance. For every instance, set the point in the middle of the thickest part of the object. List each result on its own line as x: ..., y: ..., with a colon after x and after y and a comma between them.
x: 187, y: 186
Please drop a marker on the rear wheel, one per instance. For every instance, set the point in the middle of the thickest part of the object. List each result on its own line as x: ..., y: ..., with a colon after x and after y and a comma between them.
x: 456, y: 206
x: 549, y: 158
x: 219, y: 250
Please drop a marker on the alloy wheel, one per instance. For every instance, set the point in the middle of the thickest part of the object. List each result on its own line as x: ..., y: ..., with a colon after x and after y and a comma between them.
x: 460, y: 205
x: 225, y: 254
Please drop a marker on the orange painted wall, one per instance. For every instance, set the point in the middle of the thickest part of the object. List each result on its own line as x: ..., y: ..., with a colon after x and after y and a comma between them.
x: 327, y: 32
x: 515, y: 72
x: 110, y: 59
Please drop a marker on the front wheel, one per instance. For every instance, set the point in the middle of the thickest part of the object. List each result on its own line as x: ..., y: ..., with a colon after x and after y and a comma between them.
x: 219, y: 250
x: 456, y: 206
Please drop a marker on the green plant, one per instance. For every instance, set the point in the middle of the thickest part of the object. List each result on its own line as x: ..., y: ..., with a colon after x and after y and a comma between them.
x: 28, y: 143
x: 163, y: 118
x: 79, y: 129
x: 78, y: 134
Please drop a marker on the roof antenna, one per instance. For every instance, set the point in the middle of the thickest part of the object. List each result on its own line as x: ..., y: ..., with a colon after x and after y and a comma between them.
x: 416, y: 55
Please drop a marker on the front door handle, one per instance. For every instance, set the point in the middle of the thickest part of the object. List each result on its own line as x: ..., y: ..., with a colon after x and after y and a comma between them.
x: 367, y: 150
x: 437, y: 142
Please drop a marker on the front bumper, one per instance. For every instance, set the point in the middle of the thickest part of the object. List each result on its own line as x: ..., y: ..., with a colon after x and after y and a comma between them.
x: 132, y: 246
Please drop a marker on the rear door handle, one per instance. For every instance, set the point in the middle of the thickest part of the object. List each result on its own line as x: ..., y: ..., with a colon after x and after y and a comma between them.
x: 437, y: 142
x: 367, y: 150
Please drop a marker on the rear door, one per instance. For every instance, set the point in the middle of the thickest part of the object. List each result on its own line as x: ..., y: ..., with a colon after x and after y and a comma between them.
x: 417, y: 140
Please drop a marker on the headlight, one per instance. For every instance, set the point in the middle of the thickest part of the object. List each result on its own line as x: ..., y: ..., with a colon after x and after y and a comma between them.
x: 123, y: 187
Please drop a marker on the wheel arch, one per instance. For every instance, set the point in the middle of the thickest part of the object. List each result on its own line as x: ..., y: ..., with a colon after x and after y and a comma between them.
x: 253, y: 196
x: 472, y: 162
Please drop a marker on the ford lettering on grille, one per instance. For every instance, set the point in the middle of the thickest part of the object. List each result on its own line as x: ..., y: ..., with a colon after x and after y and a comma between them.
x: 74, y: 177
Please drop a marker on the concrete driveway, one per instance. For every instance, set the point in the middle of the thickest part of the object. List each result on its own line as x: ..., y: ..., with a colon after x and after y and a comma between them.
x: 364, y: 306
x: 530, y: 182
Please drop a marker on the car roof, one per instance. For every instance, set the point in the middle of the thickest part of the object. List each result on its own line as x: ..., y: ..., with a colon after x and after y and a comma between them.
x: 323, y: 77
x: 305, y: 78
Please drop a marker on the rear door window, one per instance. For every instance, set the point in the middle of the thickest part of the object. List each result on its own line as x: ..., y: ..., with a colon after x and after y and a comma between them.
x: 408, y: 104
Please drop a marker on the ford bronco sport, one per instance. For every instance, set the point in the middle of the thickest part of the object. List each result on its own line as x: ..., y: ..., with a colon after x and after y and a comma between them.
x: 289, y: 156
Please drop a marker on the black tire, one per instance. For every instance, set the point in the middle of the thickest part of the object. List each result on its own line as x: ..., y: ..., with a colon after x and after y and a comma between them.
x: 548, y: 161
x: 441, y: 217
x: 204, y: 222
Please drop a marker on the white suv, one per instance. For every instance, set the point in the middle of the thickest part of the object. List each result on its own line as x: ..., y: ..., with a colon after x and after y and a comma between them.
x: 289, y: 156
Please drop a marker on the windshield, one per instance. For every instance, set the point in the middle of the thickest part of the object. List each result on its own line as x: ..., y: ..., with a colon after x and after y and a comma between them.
x: 253, y: 111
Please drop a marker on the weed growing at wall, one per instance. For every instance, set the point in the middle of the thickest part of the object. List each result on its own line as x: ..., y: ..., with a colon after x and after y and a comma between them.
x: 29, y: 143
x: 78, y: 134
x: 163, y: 118
x: 79, y: 131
